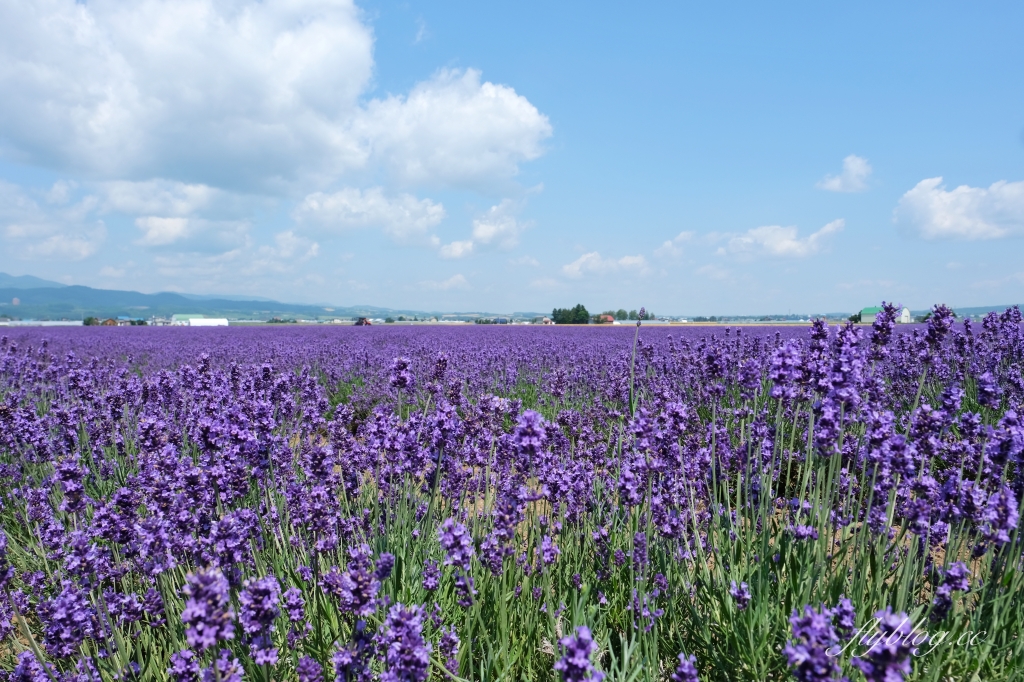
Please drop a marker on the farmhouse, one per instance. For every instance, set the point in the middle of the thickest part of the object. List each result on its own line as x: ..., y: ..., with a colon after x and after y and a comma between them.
x: 868, y: 315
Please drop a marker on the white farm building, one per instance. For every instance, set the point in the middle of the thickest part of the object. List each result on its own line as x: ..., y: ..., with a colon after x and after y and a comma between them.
x: 868, y: 315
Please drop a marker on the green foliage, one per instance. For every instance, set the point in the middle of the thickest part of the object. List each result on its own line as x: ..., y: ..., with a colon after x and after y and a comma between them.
x: 575, y: 315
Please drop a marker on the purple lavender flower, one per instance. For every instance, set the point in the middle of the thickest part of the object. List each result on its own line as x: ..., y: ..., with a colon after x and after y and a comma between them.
x: 457, y: 543
x: 406, y: 655
x: 28, y: 669
x: 808, y: 651
x: 431, y: 575
x: 845, y: 617
x: 549, y: 551
x: 741, y: 594
x: 988, y: 390
x: 184, y: 666
x: 448, y: 647
x: 888, y: 656
x: 465, y: 588
x: 1000, y: 516
x: 575, y: 664
x: 803, y: 532
x: 881, y: 329
x: 355, y: 589
x: 530, y: 436
x: 6, y: 569
x: 70, y: 475
x: 401, y: 376
x: 68, y: 619
x: 385, y: 564
x: 352, y: 661
x: 259, y: 608
x: 228, y: 669
x: 308, y: 670
x: 956, y: 579
x: 640, y: 550
x: 686, y: 671
x: 207, y: 617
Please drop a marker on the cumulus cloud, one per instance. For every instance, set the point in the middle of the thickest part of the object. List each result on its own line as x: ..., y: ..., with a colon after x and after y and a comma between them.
x: 781, y: 242
x: 64, y: 232
x: 712, y: 271
x: 854, y: 178
x: 456, y: 250
x: 674, y: 247
x: 593, y: 264
x: 455, y: 130
x: 157, y: 197
x: 402, y: 217
x: 499, y: 225
x: 969, y: 213
x: 241, y: 94
x: 453, y: 282
x: 288, y: 251
x: 525, y: 260
x: 192, y: 234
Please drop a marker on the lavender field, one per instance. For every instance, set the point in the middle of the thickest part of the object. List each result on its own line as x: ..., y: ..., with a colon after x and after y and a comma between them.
x: 513, y: 503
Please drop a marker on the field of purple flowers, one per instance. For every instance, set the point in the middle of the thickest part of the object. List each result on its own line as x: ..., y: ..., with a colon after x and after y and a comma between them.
x: 410, y: 504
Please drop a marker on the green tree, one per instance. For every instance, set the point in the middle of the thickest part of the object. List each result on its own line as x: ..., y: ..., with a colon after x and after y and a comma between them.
x: 633, y: 315
x: 621, y: 314
x: 91, y: 321
x: 575, y: 315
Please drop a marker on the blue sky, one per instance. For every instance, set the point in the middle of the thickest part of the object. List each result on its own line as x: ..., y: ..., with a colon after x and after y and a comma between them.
x: 725, y: 159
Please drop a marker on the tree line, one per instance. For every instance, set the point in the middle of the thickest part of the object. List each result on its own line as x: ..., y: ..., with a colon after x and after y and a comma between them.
x: 578, y: 314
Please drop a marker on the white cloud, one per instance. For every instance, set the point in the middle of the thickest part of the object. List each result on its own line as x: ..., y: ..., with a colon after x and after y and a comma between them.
x: 545, y: 283
x: 714, y: 272
x: 674, y: 247
x: 240, y: 94
x: 525, y: 260
x: 63, y: 232
x: 289, y: 251
x: 76, y: 246
x: 422, y: 32
x: 192, y: 234
x: 778, y: 241
x: 112, y: 272
x: 499, y: 225
x: 856, y: 171
x: 970, y: 213
x: 157, y: 197
x: 60, y: 193
x: 402, y: 217
x: 456, y: 249
x: 453, y: 282
x: 593, y: 263
x: 455, y: 130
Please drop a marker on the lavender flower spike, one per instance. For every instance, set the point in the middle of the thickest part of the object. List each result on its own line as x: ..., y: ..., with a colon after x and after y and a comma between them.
x: 575, y: 664
x: 686, y: 671
x: 207, y: 617
x: 888, y: 655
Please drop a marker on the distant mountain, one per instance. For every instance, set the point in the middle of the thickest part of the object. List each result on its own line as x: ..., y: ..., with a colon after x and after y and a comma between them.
x: 222, y: 297
x: 60, y: 302
x: 27, y: 282
x: 979, y: 310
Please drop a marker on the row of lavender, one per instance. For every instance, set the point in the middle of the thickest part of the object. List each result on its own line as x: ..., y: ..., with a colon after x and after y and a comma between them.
x: 573, y: 504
